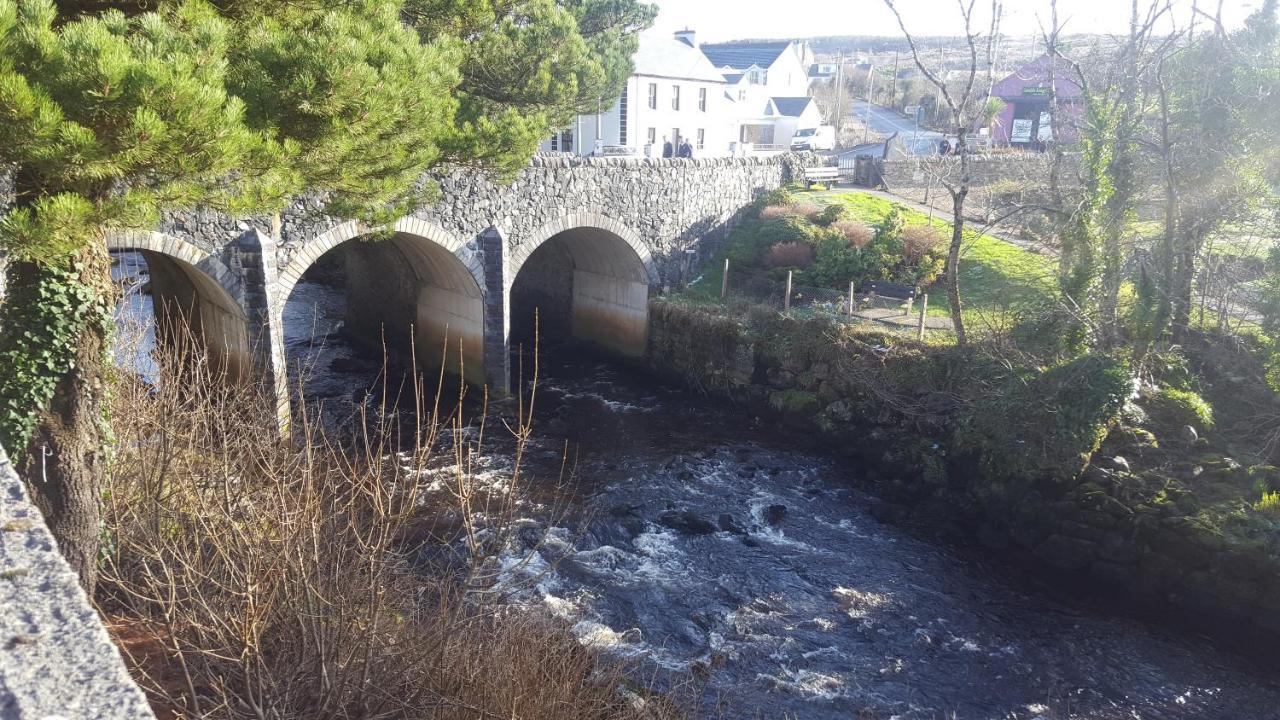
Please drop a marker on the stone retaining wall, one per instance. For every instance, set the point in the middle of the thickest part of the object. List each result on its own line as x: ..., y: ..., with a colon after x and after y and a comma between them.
x: 1017, y: 170
x: 56, y: 659
x: 1085, y: 525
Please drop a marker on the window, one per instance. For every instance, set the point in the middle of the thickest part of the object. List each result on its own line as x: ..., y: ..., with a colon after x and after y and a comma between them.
x: 742, y: 95
x: 702, y: 99
x: 566, y: 141
x: 702, y: 138
x: 555, y: 142
x: 622, y: 116
x: 653, y: 96
x: 653, y: 136
x: 675, y: 97
x: 675, y: 139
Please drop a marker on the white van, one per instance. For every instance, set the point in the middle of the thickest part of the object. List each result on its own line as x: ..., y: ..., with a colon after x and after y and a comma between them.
x: 822, y: 137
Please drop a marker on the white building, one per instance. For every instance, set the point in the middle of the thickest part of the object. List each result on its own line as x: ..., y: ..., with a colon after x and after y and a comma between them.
x: 725, y: 99
x: 766, y: 78
x: 675, y: 93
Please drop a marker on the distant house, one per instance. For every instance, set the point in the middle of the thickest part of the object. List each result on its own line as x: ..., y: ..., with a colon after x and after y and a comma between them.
x: 674, y: 93
x: 791, y: 114
x: 757, y: 73
x: 821, y: 71
x: 726, y: 98
x: 1025, y: 120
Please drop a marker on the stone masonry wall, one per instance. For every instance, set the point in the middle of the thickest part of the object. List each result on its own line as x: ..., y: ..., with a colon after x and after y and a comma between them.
x: 1083, y: 527
x: 56, y: 661
x: 670, y: 203
x: 1021, y: 170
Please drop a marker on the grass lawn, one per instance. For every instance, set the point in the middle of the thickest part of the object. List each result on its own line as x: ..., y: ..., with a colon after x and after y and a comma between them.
x: 994, y: 275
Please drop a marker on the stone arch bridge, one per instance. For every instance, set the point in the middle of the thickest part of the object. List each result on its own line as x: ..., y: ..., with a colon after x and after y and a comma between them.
x: 588, y: 238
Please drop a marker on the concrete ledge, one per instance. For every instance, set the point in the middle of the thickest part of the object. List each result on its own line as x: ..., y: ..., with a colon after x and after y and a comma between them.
x: 56, y: 660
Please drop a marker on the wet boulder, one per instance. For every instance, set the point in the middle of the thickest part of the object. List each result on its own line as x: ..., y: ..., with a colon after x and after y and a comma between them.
x: 686, y: 523
x: 729, y: 524
x: 774, y: 514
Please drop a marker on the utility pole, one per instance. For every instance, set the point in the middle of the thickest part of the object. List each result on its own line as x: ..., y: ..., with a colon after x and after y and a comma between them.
x: 839, y: 92
x: 942, y: 73
x: 893, y: 94
x: 871, y: 93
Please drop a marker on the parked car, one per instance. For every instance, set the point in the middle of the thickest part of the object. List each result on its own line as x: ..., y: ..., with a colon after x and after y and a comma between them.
x: 822, y: 137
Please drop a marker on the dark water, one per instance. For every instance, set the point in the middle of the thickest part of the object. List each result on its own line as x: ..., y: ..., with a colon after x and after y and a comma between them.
x: 708, y: 547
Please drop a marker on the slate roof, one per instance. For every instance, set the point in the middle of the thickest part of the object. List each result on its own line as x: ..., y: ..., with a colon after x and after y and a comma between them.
x: 733, y: 78
x: 792, y: 106
x: 743, y: 55
x: 664, y: 56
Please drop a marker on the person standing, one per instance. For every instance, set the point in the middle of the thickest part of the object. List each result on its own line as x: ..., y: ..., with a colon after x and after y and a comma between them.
x: 686, y: 150
x: 667, y: 150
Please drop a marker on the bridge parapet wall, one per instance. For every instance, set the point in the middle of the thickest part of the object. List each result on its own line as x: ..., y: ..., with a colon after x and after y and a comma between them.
x: 58, y: 660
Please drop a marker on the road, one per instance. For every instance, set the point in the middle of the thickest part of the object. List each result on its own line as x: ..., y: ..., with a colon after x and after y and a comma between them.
x: 913, y: 139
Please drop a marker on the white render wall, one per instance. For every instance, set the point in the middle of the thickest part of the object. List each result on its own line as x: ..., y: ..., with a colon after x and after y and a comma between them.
x: 717, y: 120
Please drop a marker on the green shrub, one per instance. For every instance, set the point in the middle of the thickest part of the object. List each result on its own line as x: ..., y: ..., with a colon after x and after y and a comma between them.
x: 1266, y: 478
x: 1270, y: 504
x: 1171, y: 408
x: 1048, y: 426
x: 749, y: 242
x: 830, y: 215
x: 837, y: 261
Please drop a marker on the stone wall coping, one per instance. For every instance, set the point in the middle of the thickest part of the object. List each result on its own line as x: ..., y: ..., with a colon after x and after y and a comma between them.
x: 541, y: 161
x: 1032, y: 158
x: 56, y: 659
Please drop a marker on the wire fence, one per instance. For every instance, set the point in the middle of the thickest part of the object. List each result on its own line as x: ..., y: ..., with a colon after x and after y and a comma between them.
x: 860, y: 304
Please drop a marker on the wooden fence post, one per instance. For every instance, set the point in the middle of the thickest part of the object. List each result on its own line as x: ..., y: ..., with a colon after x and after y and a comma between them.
x: 724, y: 280
x: 850, y: 297
x: 786, y: 302
x: 924, y: 308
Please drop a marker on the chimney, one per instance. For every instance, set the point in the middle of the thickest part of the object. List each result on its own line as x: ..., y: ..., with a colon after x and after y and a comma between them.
x: 688, y: 37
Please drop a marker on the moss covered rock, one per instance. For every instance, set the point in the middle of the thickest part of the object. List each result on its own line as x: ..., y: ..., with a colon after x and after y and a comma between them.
x: 1046, y: 427
x: 1171, y: 409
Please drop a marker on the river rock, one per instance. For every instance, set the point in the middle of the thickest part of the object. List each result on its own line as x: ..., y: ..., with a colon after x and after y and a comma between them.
x: 775, y: 514
x: 1189, y: 433
x: 729, y: 524
x: 686, y: 523
x: 1120, y: 463
x: 1067, y: 552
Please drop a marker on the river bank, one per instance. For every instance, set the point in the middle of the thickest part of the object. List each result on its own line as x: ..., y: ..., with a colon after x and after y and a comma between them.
x: 726, y: 557
x: 953, y: 439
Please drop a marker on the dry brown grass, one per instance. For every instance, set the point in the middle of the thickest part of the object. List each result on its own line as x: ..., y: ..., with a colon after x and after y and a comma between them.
x: 859, y: 234
x: 804, y: 210
x: 917, y: 241
x: 790, y: 254
x: 246, y: 577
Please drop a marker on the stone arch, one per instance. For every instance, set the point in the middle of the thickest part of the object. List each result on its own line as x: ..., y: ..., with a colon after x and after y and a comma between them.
x: 583, y: 221
x: 588, y: 276
x: 313, y: 249
x: 192, y: 287
x: 179, y: 249
x: 421, y: 276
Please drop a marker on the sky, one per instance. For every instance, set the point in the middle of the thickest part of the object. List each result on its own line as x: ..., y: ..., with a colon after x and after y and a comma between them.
x: 717, y: 20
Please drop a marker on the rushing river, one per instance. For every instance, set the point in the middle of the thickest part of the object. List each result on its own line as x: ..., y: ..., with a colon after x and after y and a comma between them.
x: 707, y: 546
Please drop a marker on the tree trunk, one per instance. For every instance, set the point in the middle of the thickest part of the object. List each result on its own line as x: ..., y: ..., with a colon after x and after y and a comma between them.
x: 66, y: 457
x: 1182, y: 298
x: 957, y: 240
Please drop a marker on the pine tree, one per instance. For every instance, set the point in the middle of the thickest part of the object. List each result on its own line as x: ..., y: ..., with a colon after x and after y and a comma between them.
x: 113, y: 112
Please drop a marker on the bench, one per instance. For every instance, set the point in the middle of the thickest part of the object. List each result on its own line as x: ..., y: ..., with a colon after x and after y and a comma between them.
x: 825, y: 175
x: 894, y: 291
